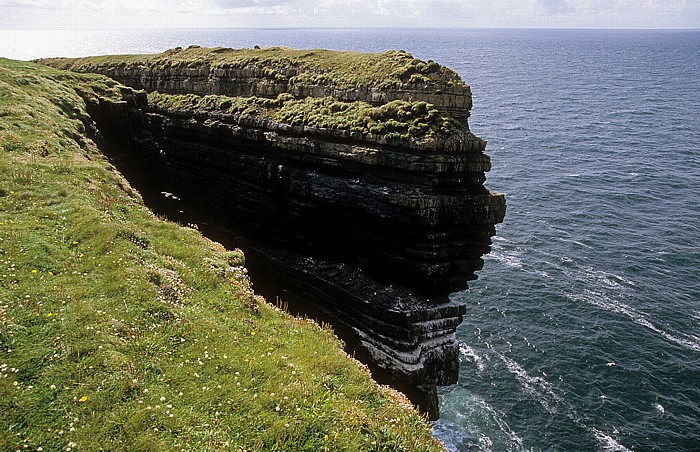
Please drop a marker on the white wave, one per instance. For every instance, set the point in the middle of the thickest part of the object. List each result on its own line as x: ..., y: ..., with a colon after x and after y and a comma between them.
x: 602, y: 278
x: 452, y: 435
x: 478, y: 414
x: 510, y: 258
x: 610, y: 304
x: 580, y: 244
x: 596, y: 278
x: 516, y: 441
x: 480, y: 425
x: 471, y: 354
x: 608, y: 443
x: 605, y: 294
x: 659, y: 409
x: 541, y: 274
x: 622, y: 279
x: 537, y: 387
x: 690, y: 342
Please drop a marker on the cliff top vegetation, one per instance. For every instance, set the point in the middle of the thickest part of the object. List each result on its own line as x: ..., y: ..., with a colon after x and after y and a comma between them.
x: 120, y: 330
x: 394, y: 120
x: 286, y: 65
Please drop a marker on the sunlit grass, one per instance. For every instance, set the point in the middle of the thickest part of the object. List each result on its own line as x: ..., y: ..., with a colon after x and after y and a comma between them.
x: 122, y: 331
x: 343, y: 69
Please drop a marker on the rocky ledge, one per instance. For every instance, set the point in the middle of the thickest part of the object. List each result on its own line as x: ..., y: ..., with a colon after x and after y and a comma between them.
x: 355, y: 176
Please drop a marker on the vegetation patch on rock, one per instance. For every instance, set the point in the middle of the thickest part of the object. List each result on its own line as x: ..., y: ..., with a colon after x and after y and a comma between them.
x: 396, y: 119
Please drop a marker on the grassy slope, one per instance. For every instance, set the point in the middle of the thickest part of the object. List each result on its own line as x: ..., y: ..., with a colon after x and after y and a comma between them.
x: 321, y: 67
x: 119, y: 330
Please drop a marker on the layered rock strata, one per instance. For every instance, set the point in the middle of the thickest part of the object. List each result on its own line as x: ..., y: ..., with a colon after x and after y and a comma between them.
x: 377, y: 230
x: 419, y: 218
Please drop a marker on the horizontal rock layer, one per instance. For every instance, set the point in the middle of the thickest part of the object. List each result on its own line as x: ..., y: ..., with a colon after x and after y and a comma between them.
x: 392, y: 230
x: 234, y: 82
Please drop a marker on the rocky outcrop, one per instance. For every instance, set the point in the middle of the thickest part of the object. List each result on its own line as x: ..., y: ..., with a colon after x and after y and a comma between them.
x: 376, y: 230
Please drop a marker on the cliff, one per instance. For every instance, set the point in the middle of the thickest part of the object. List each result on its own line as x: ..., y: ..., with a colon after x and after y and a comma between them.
x: 122, y: 331
x: 368, y: 200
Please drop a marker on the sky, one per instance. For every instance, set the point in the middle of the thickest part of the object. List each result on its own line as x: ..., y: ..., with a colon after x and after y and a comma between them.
x: 98, y: 14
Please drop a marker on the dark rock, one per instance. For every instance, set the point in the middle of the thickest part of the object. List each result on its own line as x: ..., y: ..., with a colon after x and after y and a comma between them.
x: 420, y: 218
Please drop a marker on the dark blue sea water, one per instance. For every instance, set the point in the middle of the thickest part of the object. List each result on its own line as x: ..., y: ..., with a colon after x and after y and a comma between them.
x: 583, y: 331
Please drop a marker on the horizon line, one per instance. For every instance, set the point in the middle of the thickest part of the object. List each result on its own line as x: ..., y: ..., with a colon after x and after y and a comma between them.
x: 357, y: 28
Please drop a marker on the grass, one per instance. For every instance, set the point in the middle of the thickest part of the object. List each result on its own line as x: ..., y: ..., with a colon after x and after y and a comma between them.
x: 396, y: 119
x: 342, y: 69
x: 122, y: 331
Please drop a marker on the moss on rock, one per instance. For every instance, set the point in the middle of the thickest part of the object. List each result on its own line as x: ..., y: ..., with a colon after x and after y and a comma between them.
x: 403, y: 119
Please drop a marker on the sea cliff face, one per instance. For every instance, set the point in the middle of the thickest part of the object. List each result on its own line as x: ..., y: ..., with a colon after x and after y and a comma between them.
x: 376, y: 221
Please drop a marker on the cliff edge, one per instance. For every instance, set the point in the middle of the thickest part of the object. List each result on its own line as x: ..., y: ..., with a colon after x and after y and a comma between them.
x: 122, y: 331
x: 356, y: 175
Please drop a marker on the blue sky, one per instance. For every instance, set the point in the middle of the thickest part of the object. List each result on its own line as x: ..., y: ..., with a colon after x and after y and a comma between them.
x: 42, y: 14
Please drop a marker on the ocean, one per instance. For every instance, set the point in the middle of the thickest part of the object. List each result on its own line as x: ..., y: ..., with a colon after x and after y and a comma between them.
x: 583, y: 330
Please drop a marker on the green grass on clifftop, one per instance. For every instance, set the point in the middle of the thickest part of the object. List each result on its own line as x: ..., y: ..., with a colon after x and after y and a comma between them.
x: 122, y: 331
x: 294, y: 66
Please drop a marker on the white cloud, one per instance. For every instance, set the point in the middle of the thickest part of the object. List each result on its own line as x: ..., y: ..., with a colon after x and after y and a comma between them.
x: 556, y: 6
x: 237, y: 4
x: 329, y: 13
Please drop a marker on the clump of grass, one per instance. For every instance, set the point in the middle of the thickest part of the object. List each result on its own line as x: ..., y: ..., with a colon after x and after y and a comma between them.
x: 119, y: 330
x: 398, y: 118
x: 243, y: 106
